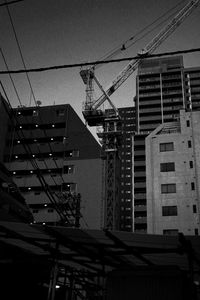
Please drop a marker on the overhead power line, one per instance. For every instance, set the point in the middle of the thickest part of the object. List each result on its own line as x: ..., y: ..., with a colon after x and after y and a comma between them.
x: 11, y: 2
x: 75, y: 65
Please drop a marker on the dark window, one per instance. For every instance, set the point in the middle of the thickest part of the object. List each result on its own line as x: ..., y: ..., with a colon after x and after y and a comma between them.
x: 168, y: 188
x: 189, y: 144
x: 167, y: 167
x: 194, y: 209
x: 191, y: 164
x: 188, y: 123
x: 196, y: 232
x: 50, y: 210
x: 166, y: 147
x: 37, y: 193
x: 170, y: 231
x: 169, y: 210
x: 35, y: 211
x: 192, y: 186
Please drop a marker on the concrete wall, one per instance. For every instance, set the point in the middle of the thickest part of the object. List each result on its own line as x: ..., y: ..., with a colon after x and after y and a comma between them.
x: 186, y: 221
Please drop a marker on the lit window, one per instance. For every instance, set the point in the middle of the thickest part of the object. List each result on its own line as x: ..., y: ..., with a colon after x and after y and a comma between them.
x: 169, y: 211
x: 166, y: 147
x: 20, y: 127
x: 33, y: 155
x: 19, y: 113
x: 50, y: 154
x: 53, y: 125
x: 51, y: 139
x: 35, y: 113
x: 18, y: 142
x: 31, y: 172
x: 168, y: 188
x: 16, y: 156
x: 29, y: 188
x: 36, y: 125
x: 14, y: 173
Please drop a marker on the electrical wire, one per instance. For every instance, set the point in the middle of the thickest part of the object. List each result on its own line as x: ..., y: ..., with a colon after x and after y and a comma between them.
x: 12, y: 81
x: 11, y: 2
x: 32, y: 161
x: 75, y: 65
x: 31, y: 88
x: 41, y: 179
x: 123, y: 46
x: 24, y: 65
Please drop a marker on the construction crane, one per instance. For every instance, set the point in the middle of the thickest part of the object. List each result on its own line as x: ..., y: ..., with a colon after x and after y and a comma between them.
x: 110, y: 119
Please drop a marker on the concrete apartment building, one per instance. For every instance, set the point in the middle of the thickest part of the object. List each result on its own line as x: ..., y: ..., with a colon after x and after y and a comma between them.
x: 173, y: 176
x: 163, y: 87
x: 53, y: 142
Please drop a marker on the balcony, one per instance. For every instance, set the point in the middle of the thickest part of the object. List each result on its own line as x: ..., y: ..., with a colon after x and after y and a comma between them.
x: 140, y: 220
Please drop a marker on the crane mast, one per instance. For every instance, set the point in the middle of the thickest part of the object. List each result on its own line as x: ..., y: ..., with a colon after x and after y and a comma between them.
x: 110, y: 119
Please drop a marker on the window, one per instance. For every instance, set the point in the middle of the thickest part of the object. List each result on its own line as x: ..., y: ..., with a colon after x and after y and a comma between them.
x: 169, y: 211
x: 194, y: 209
x: 68, y: 169
x: 170, y: 231
x: 189, y: 144
x: 167, y: 167
x: 188, y: 123
x: 192, y: 186
x: 191, y: 164
x: 196, y: 232
x: 75, y: 153
x: 37, y: 193
x: 35, y: 113
x: 35, y: 211
x: 60, y: 112
x: 166, y: 147
x: 168, y: 188
x: 50, y: 210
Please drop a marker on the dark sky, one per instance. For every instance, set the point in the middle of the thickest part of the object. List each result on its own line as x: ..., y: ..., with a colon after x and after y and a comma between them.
x: 55, y: 32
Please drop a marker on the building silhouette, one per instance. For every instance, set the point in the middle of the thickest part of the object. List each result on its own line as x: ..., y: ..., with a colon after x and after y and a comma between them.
x: 55, y: 162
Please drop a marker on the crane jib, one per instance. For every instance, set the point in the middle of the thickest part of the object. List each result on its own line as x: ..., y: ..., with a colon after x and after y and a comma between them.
x: 94, y: 104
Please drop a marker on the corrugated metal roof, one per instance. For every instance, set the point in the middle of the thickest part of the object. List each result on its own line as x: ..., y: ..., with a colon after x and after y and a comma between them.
x: 94, y: 249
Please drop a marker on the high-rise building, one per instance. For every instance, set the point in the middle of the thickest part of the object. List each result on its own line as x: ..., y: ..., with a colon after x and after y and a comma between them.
x: 163, y: 87
x: 125, y: 151
x: 173, y: 176
x: 55, y: 161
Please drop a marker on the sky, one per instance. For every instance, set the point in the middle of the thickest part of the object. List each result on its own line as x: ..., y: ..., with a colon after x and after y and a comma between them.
x: 73, y: 31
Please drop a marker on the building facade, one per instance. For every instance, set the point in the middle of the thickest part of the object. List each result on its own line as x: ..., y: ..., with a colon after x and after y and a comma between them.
x: 163, y: 87
x: 173, y: 176
x: 127, y: 115
x: 55, y: 162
